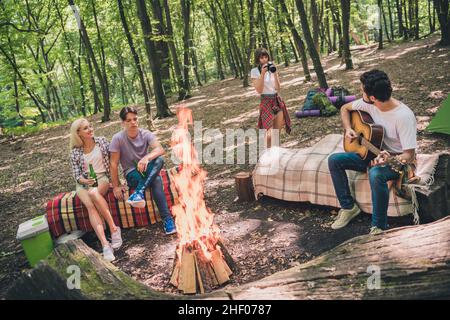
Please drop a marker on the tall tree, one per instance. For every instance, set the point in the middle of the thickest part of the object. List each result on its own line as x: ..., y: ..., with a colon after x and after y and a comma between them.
x: 442, y: 9
x: 152, y: 56
x: 252, y: 40
x: 297, y: 40
x: 380, y: 25
x: 137, y: 63
x: 345, y: 7
x: 315, y: 57
x: 87, y: 44
x: 182, y: 91
x: 186, y: 13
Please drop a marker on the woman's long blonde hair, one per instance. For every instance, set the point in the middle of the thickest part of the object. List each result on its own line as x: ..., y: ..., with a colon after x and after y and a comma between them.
x: 75, y: 140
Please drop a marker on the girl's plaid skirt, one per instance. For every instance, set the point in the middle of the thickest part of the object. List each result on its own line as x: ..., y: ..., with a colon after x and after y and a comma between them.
x: 270, y: 105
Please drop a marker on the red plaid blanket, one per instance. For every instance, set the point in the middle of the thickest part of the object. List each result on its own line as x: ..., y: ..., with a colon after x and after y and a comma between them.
x: 66, y: 213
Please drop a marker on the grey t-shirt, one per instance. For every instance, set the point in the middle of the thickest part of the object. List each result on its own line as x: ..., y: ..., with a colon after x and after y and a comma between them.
x: 131, y: 149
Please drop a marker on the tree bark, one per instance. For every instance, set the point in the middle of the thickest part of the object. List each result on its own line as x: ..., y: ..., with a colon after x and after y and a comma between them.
x: 162, y: 107
x: 380, y: 27
x: 186, y: 13
x: 297, y: 40
x: 442, y: 9
x: 310, y: 43
x: 182, y: 91
x: 137, y: 63
x: 252, y: 40
x: 315, y: 24
x: 400, y: 18
x: 345, y: 7
x: 162, y: 45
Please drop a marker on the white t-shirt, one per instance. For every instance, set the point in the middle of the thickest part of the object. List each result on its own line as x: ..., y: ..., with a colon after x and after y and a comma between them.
x: 269, y: 80
x: 96, y: 159
x: 399, y: 125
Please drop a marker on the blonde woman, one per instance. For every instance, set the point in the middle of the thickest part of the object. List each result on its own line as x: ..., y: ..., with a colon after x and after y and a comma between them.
x: 86, y: 149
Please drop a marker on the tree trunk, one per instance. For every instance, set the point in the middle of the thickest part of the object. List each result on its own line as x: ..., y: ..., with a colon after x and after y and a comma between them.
x: 417, y: 20
x: 162, y: 45
x: 310, y: 43
x: 385, y: 24
x: 280, y: 36
x: 182, y: 91
x: 391, y: 23
x: 400, y: 18
x: 162, y: 107
x: 442, y: 8
x: 315, y: 24
x: 137, y: 63
x: 345, y: 6
x: 297, y: 40
x: 380, y: 26
x: 90, y: 52
x: 186, y: 13
x: 252, y: 40
x: 384, y: 266
x: 107, y: 107
x: 217, y: 42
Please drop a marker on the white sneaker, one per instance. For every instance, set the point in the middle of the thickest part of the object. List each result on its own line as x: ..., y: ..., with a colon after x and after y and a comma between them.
x: 108, y: 253
x: 344, y: 217
x: 116, y: 239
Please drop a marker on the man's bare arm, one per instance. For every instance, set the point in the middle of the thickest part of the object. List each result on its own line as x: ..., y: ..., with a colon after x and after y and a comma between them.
x: 115, y: 156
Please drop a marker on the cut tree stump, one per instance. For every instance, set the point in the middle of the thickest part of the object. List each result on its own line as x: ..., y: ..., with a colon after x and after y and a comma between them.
x: 413, y: 263
x: 434, y: 203
x: 244, y: 186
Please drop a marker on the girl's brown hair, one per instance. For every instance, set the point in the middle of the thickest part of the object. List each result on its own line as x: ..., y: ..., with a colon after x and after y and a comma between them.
x: 261, y: 52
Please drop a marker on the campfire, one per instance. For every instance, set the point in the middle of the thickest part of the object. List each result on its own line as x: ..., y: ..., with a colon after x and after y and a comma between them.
x: 201, y: 260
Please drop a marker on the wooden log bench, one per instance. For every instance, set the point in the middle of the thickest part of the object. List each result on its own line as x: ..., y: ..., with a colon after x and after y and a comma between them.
x: 413, y: 263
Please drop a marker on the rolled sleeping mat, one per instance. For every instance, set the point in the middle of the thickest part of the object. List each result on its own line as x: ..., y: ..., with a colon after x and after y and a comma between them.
x: 307, y: 113
x: 329, y: 92
x: 346, y: 99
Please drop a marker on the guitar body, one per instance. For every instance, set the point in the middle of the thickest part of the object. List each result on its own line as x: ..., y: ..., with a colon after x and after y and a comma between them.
x: 362, y: 123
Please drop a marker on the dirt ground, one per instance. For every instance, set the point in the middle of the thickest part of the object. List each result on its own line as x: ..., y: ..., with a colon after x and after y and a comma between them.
x: 263, y: 237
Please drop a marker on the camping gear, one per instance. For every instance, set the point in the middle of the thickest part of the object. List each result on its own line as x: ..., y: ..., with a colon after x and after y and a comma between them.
x: 66, y: 212
x: 303, y: 175
x: 441, y: 120
x: 309, y: 104
x: 307, y: 113
x: 339, y: 101
x: 35, y: 238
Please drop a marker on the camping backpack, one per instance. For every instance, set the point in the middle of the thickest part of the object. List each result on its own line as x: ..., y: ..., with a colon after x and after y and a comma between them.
x: 309, y: 104
x: 340, y: 93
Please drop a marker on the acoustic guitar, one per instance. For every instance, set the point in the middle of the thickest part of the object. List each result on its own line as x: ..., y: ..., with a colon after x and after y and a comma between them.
x: 369, y: 139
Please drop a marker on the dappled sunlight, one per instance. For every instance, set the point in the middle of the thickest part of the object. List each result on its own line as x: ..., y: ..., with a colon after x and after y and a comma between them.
x: 244, y: 116
x: 403, y: 52
x: 422, y: 122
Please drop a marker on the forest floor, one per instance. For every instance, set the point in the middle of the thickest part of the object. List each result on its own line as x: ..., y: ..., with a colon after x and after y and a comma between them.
x: 264, y: 236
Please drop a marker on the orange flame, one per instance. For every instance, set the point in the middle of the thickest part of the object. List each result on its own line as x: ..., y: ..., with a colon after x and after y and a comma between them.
x: 194, y: 221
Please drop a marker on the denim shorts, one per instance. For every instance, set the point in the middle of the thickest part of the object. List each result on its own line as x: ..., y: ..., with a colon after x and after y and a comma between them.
x: 101, y: 178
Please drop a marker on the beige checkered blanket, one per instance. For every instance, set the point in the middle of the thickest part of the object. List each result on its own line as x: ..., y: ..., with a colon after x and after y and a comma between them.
x: 303, y: 175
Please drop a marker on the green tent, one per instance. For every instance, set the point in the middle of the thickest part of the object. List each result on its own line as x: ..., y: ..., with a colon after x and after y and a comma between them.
x: 441, y: 121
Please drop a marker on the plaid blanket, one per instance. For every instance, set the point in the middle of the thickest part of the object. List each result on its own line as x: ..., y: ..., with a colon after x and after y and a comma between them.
x: 66, y: 213
x: 303, y: 175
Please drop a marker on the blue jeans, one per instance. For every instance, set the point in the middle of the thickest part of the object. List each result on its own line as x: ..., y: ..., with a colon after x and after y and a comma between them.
x: 151, y: 180
x: 378, y: 178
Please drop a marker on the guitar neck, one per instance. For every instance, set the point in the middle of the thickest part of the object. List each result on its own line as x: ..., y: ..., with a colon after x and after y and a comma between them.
x: 370, y: 146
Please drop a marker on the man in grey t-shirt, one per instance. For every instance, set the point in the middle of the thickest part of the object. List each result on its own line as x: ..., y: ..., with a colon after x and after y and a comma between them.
x: 131, y: 147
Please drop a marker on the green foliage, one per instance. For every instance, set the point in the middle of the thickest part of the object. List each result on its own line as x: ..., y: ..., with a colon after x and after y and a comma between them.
x: 326, y: 107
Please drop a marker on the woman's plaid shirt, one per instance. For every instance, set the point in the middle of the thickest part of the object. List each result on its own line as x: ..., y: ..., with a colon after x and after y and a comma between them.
x: 79, y: 167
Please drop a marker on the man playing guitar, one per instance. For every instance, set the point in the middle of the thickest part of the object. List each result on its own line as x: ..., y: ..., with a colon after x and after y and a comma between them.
x: 399, y: 141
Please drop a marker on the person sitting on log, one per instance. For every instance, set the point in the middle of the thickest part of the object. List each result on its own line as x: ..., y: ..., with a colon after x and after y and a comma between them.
x: 266, y: 81
x: 89, y: 153
x: 400, y: 139
x: 141, y: 169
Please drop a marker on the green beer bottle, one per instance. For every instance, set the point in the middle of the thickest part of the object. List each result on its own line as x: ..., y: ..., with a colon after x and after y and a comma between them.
x: 93, y: 175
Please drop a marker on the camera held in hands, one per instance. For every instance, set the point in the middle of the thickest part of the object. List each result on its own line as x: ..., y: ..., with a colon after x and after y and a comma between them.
x: 271, y: 67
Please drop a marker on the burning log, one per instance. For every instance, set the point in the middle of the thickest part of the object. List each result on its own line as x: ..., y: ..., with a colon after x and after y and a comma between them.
x: 202, y: 262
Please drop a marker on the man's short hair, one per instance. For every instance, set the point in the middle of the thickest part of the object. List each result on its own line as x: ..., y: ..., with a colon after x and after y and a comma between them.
x: 126, y: 110
x: 376, y: 83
